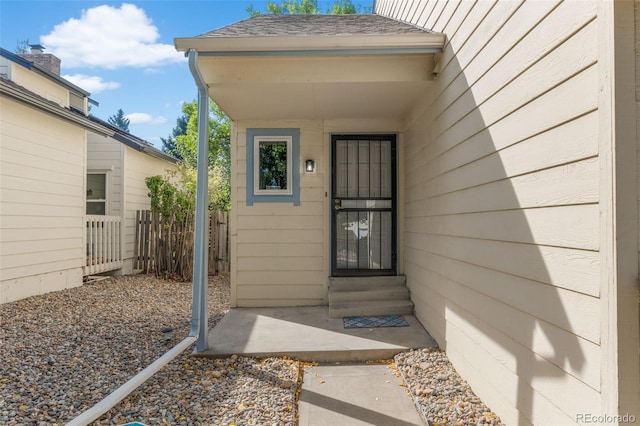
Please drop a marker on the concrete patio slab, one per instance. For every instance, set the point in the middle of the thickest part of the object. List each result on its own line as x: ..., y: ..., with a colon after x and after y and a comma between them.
x: 355, y: 395
x: 308, y: 334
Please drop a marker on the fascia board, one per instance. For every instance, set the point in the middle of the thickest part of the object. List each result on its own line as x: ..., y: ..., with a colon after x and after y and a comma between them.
x: 159, y: 154
x: 15, y: 58
x: 311, y: 43
x: 133, y: 141
x: 141, y: 147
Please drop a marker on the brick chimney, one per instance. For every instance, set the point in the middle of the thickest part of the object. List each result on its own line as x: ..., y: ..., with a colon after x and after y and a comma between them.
x: 45, y: 60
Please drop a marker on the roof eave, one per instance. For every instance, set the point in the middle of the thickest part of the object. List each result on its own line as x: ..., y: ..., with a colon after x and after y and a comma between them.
x: 129, y: 140
x: 159, y: 154
x: 133, y: 141
x: 360, y: 43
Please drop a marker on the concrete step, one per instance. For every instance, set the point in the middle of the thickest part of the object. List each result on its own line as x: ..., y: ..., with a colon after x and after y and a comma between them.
x: 365, y: 283
x: 369, y: 296
x: 371, y: 308
x: 376, y: 293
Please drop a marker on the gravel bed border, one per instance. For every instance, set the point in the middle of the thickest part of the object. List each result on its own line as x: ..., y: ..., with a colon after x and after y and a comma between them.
x: 442, y: 397
x: 65, y: 351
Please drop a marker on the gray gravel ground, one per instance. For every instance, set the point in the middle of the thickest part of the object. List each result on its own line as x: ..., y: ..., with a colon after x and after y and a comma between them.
x: 440, y: 394
x: 63, y: 352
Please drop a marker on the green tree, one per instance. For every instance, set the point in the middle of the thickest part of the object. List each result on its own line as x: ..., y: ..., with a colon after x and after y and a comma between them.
x: 169, y: 197
x: 169, y: 144
x: 273, y: 165
x: 310, y: 7
x: 219, y: 161
x: 22, y: 46
x: 345, y: 7
x: 119, y: 120
x: 294, y: 7
x: 251, y: 11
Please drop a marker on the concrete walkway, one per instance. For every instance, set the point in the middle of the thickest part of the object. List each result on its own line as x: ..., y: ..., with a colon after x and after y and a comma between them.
x: 355, y: 395
x: 343, y: 393
x: 308, y: 334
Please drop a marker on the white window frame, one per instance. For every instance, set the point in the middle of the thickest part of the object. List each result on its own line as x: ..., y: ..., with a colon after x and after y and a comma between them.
x: 105, y: 200
x: 257, y: 140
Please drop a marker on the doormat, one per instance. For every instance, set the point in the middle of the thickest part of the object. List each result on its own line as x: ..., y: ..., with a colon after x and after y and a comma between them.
x: 374, y: 322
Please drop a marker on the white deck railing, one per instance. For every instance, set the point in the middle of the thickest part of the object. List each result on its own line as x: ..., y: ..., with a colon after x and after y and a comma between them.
x: 103, y: 244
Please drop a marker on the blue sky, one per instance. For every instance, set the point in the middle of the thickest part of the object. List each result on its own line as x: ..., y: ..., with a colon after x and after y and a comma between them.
x: 122, y: 52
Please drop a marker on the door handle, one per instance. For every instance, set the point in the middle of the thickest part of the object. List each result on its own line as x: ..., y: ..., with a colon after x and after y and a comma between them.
x: 337, y: 204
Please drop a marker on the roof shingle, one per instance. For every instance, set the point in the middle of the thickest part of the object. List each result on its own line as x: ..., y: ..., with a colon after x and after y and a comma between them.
x: 271, y: 25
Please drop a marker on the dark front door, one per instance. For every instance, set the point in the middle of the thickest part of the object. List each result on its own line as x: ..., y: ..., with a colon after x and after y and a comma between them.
x: 363, y: 201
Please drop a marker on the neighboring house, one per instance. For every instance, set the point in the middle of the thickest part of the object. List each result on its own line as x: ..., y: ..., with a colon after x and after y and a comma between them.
x: 53, y: 226
x: 43, y: 140
x: 117, y: 167
x: 489, y: 151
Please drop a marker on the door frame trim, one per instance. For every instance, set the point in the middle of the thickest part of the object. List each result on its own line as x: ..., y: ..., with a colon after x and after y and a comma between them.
x: 393, y: 137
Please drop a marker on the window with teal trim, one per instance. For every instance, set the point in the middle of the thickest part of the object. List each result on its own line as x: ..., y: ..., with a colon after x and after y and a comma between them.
x: 273, y: 166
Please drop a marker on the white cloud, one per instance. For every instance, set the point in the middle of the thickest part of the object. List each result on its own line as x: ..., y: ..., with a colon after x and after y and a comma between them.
x: 144, y: 118
x: 111, y: 38
x: 152, y: 71
x: 177, y: 104
x: 91, y: 83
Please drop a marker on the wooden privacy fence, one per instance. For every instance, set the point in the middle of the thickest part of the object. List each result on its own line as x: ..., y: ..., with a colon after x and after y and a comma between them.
x: 164, y: 245
x: 219, y: 242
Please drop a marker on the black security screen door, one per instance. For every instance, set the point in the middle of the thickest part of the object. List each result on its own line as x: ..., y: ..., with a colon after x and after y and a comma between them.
x: 363, y: 202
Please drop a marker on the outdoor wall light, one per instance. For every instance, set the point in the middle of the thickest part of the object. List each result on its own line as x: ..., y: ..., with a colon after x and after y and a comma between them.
x: 309, y: 166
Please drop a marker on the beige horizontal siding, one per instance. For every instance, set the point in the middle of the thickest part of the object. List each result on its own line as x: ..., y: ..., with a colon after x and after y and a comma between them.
x: 501, y: 213
x: 106, y: 155
x: 62, y: 251
x: 564, y: 226
x: 300, y: 236
x: 523, y: 121
x: 280, y: 249
x: 42, y: 176
x: 32, y: 234
x: 39, y: 84
x: 38, y: 280
x: 271, y: 264
x: 137, y: 167
x: 522, y: 294
x: 291, y: 250
x: 17, y: 209
x: 576, y: 270
x: 25, y: 142
x: 558, y: 146
x: 275, y: 223
x: 574, y: 183
x: 287, y: 278
x: 547, y: 393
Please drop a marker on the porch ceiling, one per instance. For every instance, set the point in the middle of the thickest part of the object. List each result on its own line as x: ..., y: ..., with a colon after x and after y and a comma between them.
x: 316, y: 66
x: 317, y: 87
